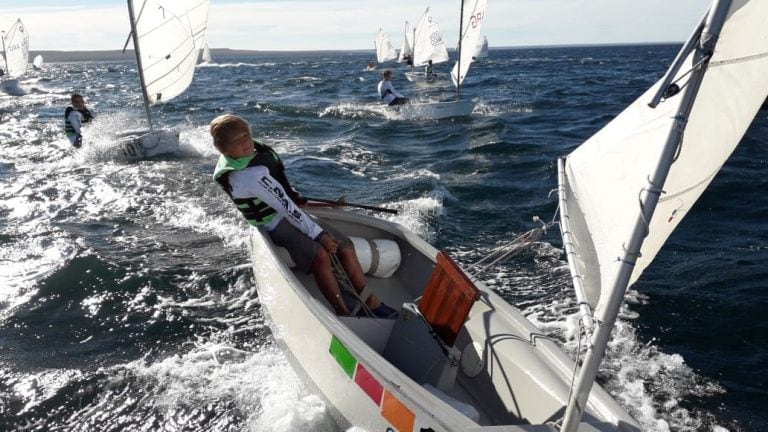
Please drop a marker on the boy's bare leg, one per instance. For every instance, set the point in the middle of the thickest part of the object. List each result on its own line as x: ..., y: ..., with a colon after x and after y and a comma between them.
x: 326, y: 281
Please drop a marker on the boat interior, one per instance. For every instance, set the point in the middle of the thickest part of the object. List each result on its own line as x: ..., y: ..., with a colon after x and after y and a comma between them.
x: 475, y: 352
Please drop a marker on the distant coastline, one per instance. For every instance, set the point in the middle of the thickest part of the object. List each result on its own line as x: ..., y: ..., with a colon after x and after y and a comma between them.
x: 53, y: 56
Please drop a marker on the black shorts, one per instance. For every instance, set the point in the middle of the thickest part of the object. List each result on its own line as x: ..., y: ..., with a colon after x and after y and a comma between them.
x: 302, y: 248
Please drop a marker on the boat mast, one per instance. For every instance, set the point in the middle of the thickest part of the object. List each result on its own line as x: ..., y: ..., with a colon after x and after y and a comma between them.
x: 458, y: 60
x: 706, y: 45
x: 413, y: 48
x: 136, y: 49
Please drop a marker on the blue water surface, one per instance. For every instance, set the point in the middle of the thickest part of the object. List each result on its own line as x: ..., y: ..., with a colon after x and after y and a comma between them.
x: 127, y: 302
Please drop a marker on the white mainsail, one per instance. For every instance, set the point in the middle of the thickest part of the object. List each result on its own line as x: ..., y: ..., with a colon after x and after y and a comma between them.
x: 197, y: 14
x: 428, y: 42
x: 625, y: 189
x: 407, y: 49
x: 165, y: 47
x: 384, y: 49
x: 472, y: 17
x: 481, y: 49
x: 608, y: 171
x: 16, y: 48
x: 38, y: 62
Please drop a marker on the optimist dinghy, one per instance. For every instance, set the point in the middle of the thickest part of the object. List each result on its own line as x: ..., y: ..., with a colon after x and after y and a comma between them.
x: 472, y: 16
x: 166, y: 41
x: 457, y: 358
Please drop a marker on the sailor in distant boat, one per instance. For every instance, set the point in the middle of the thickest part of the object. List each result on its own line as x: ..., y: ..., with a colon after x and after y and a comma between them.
x: 75, y: 115
x: 387, y: 91
x: 253, y: 176
x: 428, y: 72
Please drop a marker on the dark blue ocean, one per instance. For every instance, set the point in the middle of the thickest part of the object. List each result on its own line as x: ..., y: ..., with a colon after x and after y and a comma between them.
x: 126, y: 298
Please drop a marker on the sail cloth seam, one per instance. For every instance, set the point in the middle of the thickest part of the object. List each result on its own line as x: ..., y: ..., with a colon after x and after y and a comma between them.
x: 169, y: 72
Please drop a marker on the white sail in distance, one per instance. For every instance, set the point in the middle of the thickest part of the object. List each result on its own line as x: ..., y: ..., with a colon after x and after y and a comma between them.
x: 407, y: 49
x: 206, y: 57
x: 38, y: 62
x: 428, y: 42
x: 606, y: 176
x: 16, y: 47
x: 165, y: 47
x: 384, y: 49
x: 481, y: 49
x: 472, y: 17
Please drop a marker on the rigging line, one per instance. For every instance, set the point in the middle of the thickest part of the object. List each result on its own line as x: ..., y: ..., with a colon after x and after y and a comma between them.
x: 505, y: 252
x: 739, y: 60
x: 534, y: 336
x: 691, y: 69
x: 346, y: 284
x: 653, y: 189
x: 576, y: 361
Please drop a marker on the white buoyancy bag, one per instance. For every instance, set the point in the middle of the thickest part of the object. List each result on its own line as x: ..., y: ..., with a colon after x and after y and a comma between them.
x: 379, y: 257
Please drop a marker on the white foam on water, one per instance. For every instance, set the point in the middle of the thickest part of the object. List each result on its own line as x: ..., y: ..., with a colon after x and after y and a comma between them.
x: 197, y: 141
x: 188, y: 214
x: 415, y: 214
x: 415, y: 174
x: 260, y: 384
x: 350, y: 110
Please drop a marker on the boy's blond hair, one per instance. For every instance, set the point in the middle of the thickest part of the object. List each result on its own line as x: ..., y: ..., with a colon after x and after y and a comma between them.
x: 228, y: 128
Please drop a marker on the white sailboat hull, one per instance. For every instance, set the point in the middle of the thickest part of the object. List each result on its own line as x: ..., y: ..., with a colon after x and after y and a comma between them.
x: 522, y: 383
x: 430, y: 110
x: 144, y: 144
x: 421, y: 77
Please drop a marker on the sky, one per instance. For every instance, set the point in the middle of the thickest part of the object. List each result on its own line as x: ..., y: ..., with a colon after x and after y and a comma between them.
x: 72, y: 25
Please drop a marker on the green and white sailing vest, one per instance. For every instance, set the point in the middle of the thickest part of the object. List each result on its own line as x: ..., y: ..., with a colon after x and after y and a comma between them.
x: 255, y: 211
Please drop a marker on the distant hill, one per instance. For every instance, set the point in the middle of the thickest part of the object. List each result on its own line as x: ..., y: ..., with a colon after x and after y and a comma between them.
x: 223, y: 53
x: 78, y: 56
x: 118, y: 55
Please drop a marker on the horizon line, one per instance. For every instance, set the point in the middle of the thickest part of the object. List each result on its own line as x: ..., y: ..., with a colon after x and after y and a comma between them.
x: 584, y: 45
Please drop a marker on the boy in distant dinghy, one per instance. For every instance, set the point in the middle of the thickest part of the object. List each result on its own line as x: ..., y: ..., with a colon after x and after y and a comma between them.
x: 253, y: 176
x: 75, y: 115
